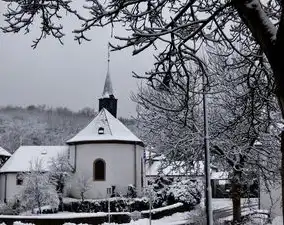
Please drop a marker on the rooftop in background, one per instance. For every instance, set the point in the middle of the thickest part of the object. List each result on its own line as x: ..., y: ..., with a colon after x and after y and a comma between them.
x: 4, y: 152
x: 156, y: 165
x: 22, y: 158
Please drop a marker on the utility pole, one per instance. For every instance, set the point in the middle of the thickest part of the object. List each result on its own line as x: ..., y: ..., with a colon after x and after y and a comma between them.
x: 208, y: 190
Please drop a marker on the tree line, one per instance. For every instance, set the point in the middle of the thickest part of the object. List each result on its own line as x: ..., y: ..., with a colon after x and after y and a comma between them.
x: 42, y: 125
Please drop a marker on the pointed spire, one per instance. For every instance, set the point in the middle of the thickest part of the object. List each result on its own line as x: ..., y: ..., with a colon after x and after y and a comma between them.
x: 108, y: 91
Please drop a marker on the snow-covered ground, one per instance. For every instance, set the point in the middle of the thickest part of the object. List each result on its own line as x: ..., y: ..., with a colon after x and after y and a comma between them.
x: 227, y: 202
x: 175, y: 219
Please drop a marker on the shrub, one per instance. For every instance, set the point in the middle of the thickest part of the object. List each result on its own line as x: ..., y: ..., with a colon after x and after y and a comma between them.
x: 168, y: 191
x: 163, y: 191
x: 184, y: 191
x: 10, y: 208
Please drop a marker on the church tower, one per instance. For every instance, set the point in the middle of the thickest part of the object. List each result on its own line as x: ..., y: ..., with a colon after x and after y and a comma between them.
x: 108, y: 101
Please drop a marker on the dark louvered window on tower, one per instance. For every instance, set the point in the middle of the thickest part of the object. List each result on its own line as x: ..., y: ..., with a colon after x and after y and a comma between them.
x: 101, y: 130
x: 99, y: 170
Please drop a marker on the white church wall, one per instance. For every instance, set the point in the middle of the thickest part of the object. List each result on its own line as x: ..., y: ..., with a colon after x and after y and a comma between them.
x: 120, y: 172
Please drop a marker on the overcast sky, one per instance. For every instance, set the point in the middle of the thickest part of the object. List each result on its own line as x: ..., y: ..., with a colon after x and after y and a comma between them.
x: 71, y: 75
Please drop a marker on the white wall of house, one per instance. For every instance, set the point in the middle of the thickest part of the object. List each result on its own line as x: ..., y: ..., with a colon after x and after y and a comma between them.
x: 120, y: 167
x: 2, y: 187
x: 12, y: 187
x: 271, y: 200
x: 71, y: 155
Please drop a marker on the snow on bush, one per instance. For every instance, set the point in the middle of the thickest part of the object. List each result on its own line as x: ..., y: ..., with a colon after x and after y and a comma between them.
x: 167, y: 191
x: 163, y: 192
x: 20, y: 223
x: 37, y: 190
x: 184, y: 191
x: 10, y: 208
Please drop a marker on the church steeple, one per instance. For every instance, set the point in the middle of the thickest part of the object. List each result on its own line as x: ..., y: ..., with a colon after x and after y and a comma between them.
x: 108, y: 91
x: 108, y: 101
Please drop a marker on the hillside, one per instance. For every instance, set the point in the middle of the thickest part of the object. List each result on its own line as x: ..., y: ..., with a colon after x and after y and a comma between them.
x: 39, y: 125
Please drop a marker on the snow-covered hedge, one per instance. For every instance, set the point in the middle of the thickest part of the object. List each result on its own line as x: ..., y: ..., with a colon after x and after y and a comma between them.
x: 163, y: 192
x: 116, y: 205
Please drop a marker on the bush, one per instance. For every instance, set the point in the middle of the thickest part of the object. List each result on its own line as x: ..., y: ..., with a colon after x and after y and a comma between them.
x: 184, y: 191
x: 164, y: 192
x: 10, y: 208
x: 168, y: 191
x: 116, y: 205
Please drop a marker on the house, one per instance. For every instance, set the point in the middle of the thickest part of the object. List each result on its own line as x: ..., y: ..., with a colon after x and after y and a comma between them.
x: 105, y: 152
x: 11, y: 179
x: 155, y: 167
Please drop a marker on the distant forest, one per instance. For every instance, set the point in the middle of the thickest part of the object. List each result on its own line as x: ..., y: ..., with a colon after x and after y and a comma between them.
x: 41, y: 125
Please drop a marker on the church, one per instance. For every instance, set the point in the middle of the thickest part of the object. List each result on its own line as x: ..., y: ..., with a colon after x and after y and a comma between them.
x: 105, y: 152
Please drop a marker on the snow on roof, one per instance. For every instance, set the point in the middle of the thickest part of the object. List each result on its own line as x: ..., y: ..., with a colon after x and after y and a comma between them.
x: 22, y: 158
x: 4, y: 152
x: 104, y: 127
x: 219, y: 175
x: 154, y: 168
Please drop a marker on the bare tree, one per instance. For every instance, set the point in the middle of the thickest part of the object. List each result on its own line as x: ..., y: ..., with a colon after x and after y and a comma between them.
x: 240, y: 115
x: 60, y: 172
x: 179, y: 28
x: 37, y: 190
x: 84, y: 184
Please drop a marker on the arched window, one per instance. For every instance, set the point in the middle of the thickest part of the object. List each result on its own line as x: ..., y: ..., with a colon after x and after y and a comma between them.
x: 99, y: 170
x: 19, y: 179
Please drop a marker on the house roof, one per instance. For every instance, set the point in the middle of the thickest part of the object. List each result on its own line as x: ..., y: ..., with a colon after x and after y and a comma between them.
x: 4, y: 152
x: 22, y: 158
x: 155, y: 168
x: 112, y: 130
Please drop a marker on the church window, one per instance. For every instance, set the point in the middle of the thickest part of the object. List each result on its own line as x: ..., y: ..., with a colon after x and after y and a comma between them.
x: 101, y: 130
x: 19, y: 179
x: 99, y: 170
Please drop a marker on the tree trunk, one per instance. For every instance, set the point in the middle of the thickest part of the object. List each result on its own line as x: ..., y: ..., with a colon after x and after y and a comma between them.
x: 61, y: 205
x: 278, y: 69
x: 236, y: 198
x: 282, y: 170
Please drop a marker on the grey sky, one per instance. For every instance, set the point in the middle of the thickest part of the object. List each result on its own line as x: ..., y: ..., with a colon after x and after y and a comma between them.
x: 71, y: 75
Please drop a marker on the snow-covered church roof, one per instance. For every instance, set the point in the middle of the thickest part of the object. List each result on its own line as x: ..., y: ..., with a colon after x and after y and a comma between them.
x: 105, y: 128
x: 3, y: 152
x: 24, y: 156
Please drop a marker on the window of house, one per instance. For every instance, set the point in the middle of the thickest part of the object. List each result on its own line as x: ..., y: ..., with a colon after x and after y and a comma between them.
x: 19, y: 179
x: 99, y: 170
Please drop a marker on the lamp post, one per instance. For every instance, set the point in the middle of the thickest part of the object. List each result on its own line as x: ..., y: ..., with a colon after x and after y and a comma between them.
x: 258, y: 145
x: 208, y: 190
